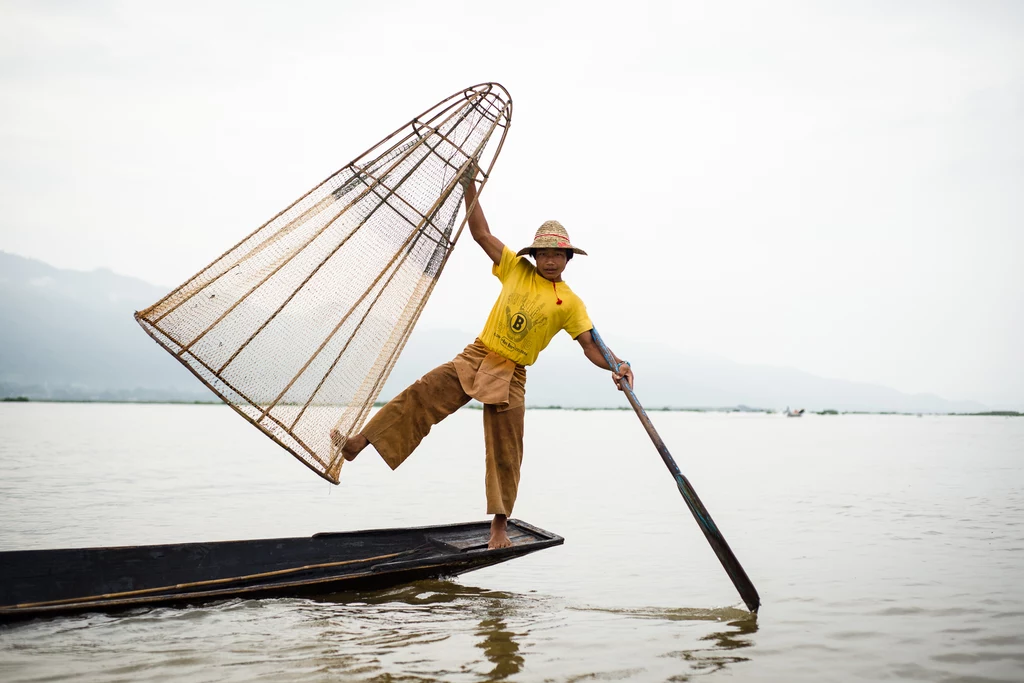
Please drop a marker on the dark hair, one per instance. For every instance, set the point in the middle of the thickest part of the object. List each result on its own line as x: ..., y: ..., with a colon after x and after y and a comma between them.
x: 568, y: 254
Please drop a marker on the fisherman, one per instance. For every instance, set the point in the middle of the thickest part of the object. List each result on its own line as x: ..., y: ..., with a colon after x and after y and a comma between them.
x: 534, y: 304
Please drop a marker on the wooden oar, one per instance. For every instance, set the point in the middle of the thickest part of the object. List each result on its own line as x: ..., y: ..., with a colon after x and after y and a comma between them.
x: 707, y: 525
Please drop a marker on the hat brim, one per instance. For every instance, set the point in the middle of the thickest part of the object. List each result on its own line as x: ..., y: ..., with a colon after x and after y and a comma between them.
x: 526, y: 250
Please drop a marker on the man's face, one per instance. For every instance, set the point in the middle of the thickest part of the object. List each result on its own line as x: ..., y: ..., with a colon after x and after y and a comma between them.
x: 551, y: 263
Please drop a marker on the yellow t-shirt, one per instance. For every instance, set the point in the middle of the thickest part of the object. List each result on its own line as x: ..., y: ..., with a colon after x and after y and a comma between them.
x: 526, y: 315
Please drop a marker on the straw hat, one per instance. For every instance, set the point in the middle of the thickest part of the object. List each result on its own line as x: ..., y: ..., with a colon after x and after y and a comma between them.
x: 551, y: 235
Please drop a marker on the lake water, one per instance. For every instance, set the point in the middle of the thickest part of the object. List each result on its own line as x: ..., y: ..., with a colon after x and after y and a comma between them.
x: 883, y: 547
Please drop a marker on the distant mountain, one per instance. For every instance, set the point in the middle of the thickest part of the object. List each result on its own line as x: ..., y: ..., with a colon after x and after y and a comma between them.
x: 67, y: 334
x: 71, y: 335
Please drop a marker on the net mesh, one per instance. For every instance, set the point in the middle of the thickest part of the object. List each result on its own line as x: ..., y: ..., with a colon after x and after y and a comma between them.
x: 298, y: 325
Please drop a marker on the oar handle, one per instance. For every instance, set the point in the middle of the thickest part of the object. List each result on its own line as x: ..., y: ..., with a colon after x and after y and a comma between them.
x: 711, y: 533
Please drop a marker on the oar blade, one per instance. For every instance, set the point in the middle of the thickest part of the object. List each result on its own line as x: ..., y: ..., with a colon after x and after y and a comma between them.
x: 721, y: 547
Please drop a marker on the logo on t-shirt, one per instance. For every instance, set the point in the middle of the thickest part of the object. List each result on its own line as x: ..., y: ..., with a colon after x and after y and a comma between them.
x: 522, y: 315
x: 519, y: 324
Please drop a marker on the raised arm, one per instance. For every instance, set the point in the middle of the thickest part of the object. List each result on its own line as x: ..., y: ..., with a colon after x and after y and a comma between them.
x: 478, y: 228
x: 592, y: 352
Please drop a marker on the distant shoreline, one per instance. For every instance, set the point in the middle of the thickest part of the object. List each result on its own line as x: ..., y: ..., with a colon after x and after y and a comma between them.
x: 474, y: 406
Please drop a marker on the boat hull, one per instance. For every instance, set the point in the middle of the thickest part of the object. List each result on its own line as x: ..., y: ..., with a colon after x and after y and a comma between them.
x: 51, y: 582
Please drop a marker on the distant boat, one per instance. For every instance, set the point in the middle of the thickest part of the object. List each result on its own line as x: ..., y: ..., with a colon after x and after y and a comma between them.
x: 794, y: 413
x: 37, y: 583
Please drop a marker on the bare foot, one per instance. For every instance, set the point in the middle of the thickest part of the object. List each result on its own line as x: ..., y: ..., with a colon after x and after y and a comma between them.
x: 499, y: 533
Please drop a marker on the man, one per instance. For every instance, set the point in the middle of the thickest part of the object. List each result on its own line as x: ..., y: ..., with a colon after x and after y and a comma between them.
x: 534, y: 304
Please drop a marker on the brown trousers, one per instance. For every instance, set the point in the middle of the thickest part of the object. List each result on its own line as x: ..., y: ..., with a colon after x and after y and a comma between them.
x: 397, y: 428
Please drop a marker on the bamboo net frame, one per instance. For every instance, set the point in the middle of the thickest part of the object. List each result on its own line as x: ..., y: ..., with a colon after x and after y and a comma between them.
x: 298, y: 325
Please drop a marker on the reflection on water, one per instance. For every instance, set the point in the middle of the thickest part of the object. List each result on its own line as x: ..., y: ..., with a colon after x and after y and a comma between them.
x: 733, y: 639
x: 425, y: 631
x: 511, y: 630
x: 742, y: 624
x: 451, y: 603
x: 428, y: 592
x: 499, y: 646
x: 506, y: 625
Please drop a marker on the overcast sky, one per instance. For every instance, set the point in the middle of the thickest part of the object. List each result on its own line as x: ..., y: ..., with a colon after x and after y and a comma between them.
x: 832, y: 186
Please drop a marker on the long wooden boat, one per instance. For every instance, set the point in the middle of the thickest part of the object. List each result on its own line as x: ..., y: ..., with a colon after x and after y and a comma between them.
x: 48, y: 582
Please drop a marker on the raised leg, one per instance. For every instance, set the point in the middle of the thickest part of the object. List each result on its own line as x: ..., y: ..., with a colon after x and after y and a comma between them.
x: 397, y: 428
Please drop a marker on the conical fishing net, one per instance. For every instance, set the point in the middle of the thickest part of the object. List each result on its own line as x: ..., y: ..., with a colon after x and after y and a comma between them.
x: 298, y: 325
